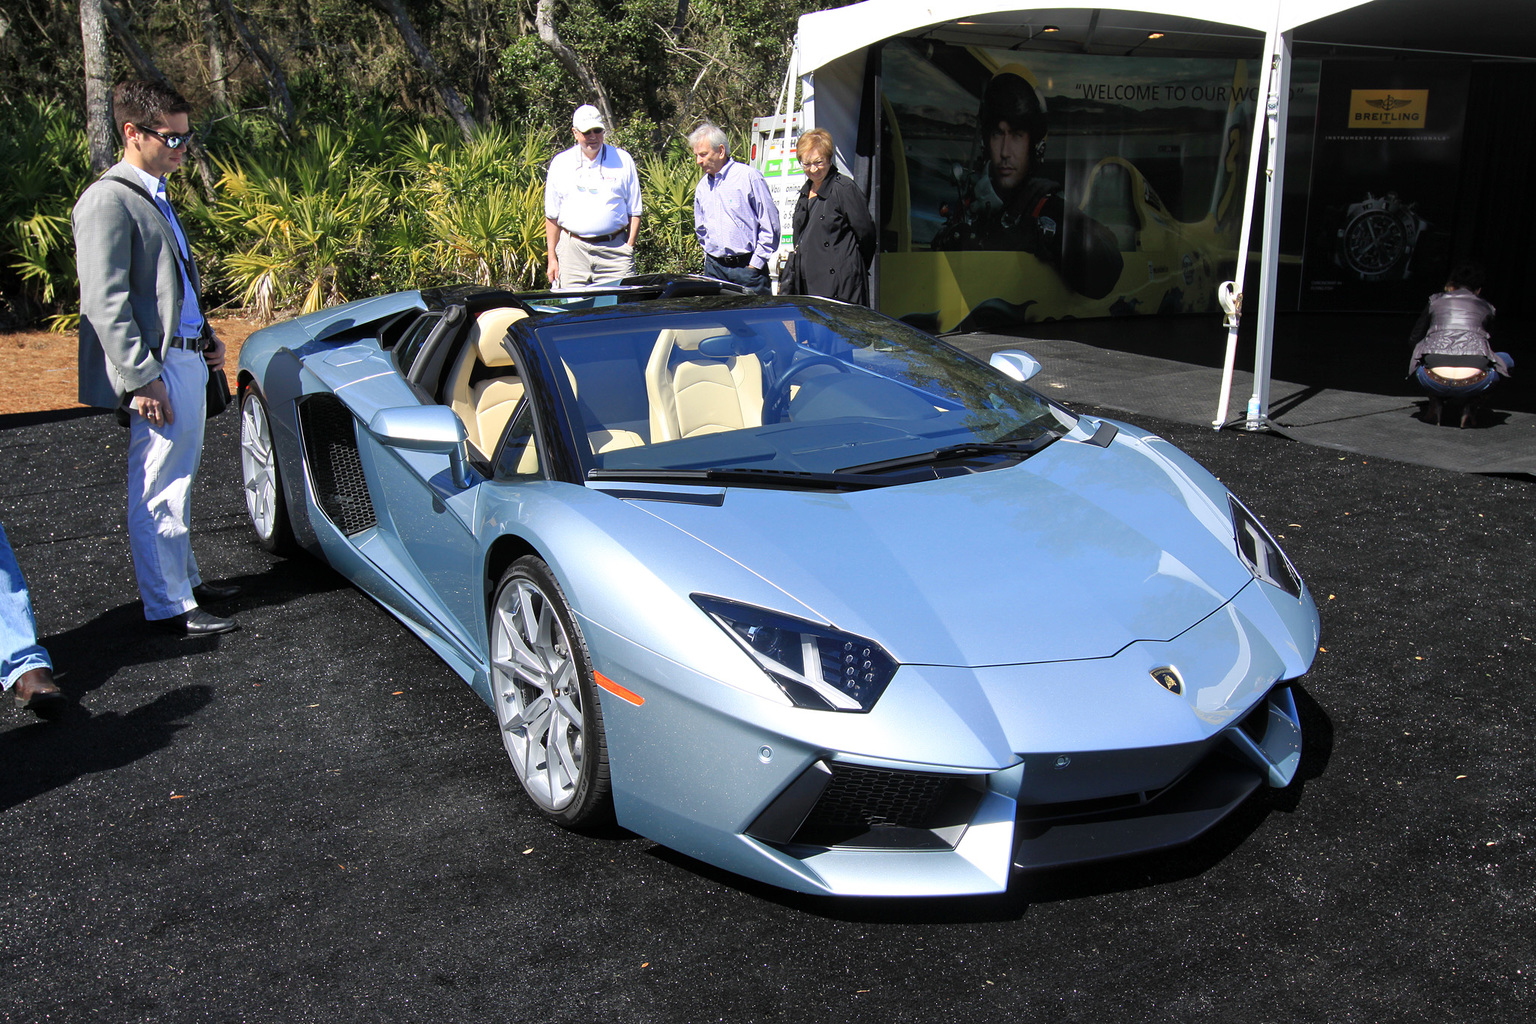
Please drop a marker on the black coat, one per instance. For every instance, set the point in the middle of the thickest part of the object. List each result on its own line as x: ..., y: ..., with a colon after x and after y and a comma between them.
x: 834, y: 240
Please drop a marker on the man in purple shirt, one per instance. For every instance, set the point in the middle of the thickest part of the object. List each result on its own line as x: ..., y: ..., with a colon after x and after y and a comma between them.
x: 733, y: 213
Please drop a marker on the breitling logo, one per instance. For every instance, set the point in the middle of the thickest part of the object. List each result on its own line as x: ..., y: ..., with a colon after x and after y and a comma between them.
x: 1388, y: 108
x: 1168, y: 678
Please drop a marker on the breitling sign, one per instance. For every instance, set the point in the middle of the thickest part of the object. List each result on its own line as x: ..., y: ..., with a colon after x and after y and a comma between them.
x: 1381, y: 200
x: 1388, y: 108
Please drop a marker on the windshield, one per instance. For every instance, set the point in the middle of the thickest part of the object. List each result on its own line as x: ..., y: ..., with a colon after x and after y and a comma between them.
x: 796, y: 387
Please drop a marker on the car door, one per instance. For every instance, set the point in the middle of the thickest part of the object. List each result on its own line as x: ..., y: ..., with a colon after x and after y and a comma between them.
x: 428, y: 495
x: 419, y: 532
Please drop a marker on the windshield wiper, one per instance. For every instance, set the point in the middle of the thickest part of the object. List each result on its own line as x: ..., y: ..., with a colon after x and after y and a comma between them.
x: 740, y: 476
x: 955, y: 453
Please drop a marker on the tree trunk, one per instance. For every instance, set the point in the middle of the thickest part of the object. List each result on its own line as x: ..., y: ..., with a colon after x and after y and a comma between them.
x: 402, y: 19
x: 141, y: 61
x: 144, y: 64
x: 100, y: 133
x: 218, y: 76
x: 277, y: 82
x: 544, y: 19
x: 480, y: 87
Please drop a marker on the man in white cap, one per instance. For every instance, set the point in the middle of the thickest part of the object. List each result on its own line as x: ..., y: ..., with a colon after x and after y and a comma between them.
x: 591, y: 208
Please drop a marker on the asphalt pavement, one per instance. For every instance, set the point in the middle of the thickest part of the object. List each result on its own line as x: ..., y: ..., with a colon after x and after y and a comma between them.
x: 312, y: 819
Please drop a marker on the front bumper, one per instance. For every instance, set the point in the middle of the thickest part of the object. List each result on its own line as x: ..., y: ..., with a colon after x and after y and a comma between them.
x: 960, y: 776
x: 853, y: 825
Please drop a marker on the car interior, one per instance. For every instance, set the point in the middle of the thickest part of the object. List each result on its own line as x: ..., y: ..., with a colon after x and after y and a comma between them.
x: 631, y: 389
x: 636, y: 382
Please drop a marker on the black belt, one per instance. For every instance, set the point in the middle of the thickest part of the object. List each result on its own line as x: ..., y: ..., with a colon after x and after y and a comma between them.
x: 598, y: 239
x: 734, y: 259
x: 1459, y: 382
x: 190, y: 344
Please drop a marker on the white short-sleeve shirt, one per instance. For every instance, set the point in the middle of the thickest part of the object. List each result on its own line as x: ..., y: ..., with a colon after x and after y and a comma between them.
x: 592, y: 197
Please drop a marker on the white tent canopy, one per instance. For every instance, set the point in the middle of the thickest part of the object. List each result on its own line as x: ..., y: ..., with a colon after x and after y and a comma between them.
x: 828, y: 35
x: 831, y: 47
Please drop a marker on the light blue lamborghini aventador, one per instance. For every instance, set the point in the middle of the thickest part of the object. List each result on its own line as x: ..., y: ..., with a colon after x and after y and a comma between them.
x: 786, y: 585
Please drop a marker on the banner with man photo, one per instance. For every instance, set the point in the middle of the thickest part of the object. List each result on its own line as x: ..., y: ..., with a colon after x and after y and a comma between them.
x: 1016, y: 188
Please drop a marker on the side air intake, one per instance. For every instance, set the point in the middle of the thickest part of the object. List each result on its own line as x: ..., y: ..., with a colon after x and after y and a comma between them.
x: 335, y: 472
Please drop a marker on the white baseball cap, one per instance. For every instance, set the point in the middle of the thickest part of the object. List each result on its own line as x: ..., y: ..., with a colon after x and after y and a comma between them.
x: 586, y: 118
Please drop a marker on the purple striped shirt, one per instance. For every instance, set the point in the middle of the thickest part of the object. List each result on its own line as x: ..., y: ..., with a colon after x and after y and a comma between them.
x: 733, y: 212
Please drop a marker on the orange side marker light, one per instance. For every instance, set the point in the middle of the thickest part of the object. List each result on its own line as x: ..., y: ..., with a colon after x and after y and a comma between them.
x: 617, y: 690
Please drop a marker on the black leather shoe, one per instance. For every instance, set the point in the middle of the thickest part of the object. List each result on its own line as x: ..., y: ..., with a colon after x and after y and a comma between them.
x: 207, y: 593
x: 198, y: 622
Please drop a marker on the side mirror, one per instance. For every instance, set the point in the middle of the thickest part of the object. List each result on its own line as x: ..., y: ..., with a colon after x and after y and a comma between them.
x: 1021, y: 366
x: 425, y: 428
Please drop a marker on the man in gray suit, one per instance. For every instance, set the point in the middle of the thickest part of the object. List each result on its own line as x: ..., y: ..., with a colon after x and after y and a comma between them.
x: 142, y: 341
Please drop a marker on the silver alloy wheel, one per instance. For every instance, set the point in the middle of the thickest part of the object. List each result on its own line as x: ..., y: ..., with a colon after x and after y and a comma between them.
x: 258, y: 468
x: 536, y: 685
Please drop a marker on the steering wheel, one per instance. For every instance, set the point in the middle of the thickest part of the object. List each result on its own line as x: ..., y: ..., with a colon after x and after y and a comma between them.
x: 776, y: 402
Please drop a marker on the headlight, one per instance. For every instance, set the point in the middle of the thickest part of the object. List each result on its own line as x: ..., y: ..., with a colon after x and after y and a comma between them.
x: 816, y: 666
x: 1257, y: 548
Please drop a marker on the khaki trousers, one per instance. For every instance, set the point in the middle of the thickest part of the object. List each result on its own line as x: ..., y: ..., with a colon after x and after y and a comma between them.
x: 584, y: 263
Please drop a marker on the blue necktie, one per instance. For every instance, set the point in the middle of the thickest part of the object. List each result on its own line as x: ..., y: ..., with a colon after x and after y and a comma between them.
x: 191, y: 311
x: 170, y: 215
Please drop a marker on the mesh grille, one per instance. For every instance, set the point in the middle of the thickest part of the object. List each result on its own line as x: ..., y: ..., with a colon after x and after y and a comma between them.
x: 330, y: 448
x: 869, y: 798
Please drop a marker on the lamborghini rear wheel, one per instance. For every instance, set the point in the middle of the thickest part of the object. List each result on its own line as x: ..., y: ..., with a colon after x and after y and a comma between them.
x: 262, y: 480
x: 546, y: 699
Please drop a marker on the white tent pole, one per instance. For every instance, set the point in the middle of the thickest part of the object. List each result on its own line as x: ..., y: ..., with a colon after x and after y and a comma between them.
x: 1269, y: 259
x: 786, y: 103
x: 1255, y: 148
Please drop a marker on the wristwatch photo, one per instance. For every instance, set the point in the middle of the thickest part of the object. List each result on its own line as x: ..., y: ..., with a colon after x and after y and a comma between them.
x: 1377, y: 240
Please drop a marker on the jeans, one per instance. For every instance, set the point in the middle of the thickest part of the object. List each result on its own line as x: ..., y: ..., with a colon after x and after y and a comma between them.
x: 748, y: 277
x: 1439, y: 390
x: 19, y: 651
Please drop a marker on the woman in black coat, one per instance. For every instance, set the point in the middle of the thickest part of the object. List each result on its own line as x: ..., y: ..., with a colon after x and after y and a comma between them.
x: 834, y: 237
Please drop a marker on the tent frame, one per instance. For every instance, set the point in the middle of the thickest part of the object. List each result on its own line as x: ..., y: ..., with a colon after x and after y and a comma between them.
x: 828, y: 41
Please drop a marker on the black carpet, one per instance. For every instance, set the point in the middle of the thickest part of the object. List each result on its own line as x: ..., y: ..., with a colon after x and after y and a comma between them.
x: 312, y: 819
x: 1337, y: 382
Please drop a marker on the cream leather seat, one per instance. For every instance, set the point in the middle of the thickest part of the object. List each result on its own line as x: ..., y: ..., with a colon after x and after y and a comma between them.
x: 612, y: 440
x: 603, y: 439
x: 693, y: 393
x: 484, y: 407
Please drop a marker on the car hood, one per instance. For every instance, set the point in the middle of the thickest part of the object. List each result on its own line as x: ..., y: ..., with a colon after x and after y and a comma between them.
x: 1073, y: 554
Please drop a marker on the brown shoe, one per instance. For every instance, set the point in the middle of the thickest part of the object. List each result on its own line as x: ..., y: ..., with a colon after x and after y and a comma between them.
x: 36, y: 691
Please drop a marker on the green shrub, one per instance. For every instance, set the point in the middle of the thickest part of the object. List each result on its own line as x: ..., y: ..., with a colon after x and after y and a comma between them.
x: 667, y: 243
x: 45, y: 165
x: 339, y: 208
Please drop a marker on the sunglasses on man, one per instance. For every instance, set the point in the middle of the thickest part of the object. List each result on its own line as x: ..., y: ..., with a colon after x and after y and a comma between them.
x: 172, y: 141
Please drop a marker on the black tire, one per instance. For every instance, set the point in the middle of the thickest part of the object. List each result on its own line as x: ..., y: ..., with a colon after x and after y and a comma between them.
x: 261, y: 478
x: 546, y: 699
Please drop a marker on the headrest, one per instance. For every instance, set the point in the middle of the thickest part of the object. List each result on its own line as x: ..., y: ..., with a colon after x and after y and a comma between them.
x: 490, y: 330
x: 688, y: 341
